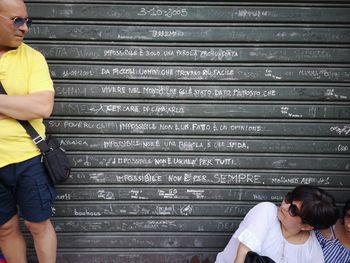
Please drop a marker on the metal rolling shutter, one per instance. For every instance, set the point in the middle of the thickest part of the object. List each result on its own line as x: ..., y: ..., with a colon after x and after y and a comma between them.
x: 179, y: 116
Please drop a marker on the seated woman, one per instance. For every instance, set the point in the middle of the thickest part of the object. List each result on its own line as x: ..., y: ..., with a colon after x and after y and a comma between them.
x: 284, y: 233
x: 335, y: 241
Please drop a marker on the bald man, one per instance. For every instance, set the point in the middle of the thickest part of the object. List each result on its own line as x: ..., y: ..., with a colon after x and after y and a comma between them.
x: 24, y: 186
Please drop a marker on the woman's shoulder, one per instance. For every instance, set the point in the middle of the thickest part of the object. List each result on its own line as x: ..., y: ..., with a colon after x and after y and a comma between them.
x: 325, y: 234
x: 262, y: 210
x: 334, y: 250
x: 266, y: 207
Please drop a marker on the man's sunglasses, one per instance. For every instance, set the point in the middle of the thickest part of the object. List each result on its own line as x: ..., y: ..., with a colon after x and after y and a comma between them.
x: 20, y: 21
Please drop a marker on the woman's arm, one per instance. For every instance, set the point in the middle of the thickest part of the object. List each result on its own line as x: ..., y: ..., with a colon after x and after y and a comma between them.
x: 241, y: 253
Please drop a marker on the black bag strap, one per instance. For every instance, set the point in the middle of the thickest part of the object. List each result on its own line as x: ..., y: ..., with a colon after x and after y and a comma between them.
x: 36, y: 138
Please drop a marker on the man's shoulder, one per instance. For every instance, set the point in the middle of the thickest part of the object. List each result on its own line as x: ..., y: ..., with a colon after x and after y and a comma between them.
x: 28, y: 50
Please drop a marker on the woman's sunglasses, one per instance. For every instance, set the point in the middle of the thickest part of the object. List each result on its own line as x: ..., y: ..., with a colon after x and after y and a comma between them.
x: 20, y: 21
x: 293, y: 209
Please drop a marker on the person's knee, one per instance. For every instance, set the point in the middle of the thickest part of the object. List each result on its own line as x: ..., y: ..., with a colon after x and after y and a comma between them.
x: 9, y: 227
x: 38, y: 227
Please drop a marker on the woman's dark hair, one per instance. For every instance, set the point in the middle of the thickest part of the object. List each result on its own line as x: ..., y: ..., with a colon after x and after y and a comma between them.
x: 318, y: 207
x: 346, y: 208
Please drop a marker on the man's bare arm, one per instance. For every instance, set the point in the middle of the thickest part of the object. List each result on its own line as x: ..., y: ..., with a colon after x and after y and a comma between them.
x: 27, y: 107
x: 3, y: 116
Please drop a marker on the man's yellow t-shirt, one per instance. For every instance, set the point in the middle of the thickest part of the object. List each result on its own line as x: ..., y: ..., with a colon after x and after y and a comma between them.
x: 22, y: 71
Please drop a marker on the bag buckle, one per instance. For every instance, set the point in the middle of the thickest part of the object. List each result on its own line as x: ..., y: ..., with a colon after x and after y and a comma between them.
x: 37, y: 139
x: 49, y: 150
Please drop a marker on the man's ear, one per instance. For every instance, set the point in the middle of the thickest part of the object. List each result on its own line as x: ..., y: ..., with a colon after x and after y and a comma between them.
x: 306, y: 227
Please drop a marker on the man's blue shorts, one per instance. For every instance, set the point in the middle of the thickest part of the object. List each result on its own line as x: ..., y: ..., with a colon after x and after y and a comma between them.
x: 25, y: 185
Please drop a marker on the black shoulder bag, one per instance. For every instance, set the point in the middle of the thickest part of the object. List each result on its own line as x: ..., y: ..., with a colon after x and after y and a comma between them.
x: 253, y: 257
x: 54, y: 157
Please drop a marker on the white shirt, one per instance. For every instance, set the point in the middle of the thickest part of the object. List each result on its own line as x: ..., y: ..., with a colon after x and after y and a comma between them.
x: 260, y: 230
